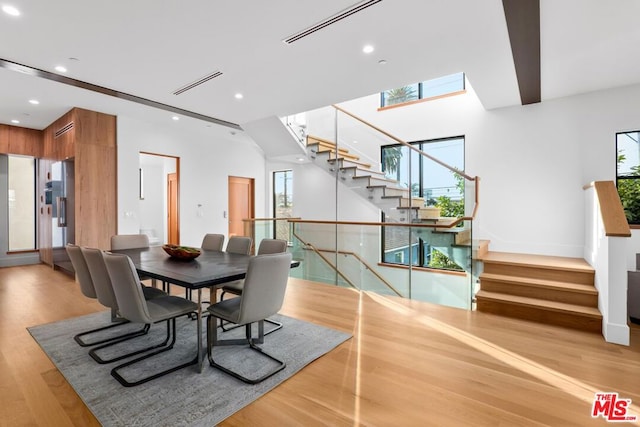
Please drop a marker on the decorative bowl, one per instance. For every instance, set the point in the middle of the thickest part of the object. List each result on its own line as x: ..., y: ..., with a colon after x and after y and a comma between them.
x: 181, y: 252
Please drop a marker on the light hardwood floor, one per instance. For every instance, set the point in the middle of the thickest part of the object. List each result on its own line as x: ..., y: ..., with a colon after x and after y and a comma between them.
x: 408, y: 364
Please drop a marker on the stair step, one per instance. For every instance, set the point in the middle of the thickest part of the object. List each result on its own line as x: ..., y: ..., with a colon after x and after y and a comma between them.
x: 342, y: 162
x: 573, y: 293
x: 539, y: 310
x: 563, y: 269
x: 360, y: 171
x: 368, y: 181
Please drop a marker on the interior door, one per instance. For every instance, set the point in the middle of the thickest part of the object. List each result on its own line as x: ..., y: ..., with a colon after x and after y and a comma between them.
x: 241, y: 194
x: 173, y: 234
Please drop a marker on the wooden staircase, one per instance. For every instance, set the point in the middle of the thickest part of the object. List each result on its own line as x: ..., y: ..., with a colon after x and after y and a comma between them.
x: 543, y: 289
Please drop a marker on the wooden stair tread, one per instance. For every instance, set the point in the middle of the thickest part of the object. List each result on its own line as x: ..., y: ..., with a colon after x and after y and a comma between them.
x: 541, y: 304
x: 541, y: 283
x: 363, y: 170
x: 390, y: 181
x: 539, y: 261
x: 352, y: 161
x: 322, y: 148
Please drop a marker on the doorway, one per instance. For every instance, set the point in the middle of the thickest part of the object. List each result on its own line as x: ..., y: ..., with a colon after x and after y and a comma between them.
x: 160, y: 198
x: 241, y: 196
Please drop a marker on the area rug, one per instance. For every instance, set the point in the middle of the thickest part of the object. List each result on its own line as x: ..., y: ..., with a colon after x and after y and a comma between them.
x: 184, y: 397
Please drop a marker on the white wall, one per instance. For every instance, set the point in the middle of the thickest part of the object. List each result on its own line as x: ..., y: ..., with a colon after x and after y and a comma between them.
x: 206, y: 162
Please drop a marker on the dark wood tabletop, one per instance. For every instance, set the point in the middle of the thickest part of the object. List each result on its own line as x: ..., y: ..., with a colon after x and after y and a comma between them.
x: 209, y: 269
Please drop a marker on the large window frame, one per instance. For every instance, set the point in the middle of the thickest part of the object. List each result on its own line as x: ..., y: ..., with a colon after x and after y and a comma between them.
x: 284, y: 197
x: 628, y: 174
x: 420, y: 251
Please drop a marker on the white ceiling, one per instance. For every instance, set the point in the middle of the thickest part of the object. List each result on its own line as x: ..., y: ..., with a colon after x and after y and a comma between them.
x: 150, y: 48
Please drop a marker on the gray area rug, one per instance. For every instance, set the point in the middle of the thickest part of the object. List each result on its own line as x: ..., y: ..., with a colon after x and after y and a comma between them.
x: 184, y: 397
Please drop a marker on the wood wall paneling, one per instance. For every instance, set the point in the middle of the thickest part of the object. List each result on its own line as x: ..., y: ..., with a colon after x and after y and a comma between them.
x: 4, y: 139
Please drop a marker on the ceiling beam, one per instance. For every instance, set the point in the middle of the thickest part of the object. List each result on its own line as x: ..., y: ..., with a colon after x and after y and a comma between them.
x: 523, y: 24
x: 36, y: 72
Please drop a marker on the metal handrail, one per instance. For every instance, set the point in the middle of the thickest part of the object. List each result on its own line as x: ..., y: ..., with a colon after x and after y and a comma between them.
x: 335, y: 268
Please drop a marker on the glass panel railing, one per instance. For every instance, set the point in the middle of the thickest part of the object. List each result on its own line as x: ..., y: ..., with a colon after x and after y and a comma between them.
x: 267, y: 228
x: 348, y: 254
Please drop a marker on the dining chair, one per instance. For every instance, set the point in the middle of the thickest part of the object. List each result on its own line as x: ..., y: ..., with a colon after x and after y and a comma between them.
x: 133, y: 306
x: 267, y: 246
x: 236, y: 245
x: 87, y: 287
x: 239, y: 245
x: 213, y: 242
x: 106, y: 296
x: 129, y: 241
x: 134, y: 241
x: 262, y: 296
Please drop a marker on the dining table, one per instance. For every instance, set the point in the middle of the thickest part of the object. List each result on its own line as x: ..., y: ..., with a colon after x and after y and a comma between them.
x: 209, y: 270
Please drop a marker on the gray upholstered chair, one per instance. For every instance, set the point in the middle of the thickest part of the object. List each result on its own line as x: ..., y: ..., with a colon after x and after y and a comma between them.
x: 84, y: 279
x: 135, y: 308
x: 239, y: 245
x: 263, y: 294
x: 129, y: 241
x: 213, y: 242
x: 267, y: 246
x: 133, y: 241
x: 106, y: 296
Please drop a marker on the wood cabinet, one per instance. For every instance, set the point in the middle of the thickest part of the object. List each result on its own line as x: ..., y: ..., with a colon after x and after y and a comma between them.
x: 89, y: 138
x: 21, y: 141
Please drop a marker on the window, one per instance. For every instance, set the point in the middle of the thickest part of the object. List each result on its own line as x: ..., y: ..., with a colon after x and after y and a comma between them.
x: 21, y: 203
x: 282, y: 201
x: 437, y: 185
x: 424, y: 90
x: 628, y: 174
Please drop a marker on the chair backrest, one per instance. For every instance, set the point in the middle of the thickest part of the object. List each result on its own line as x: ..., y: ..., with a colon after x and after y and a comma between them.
x: 272, y: 246
x: 131, y: 303
x: 100, y: 277
x: 213, y: 242
x: 129, y: 241
x: 264, y: 287
x: 83, y: 277
x: 239, y: 245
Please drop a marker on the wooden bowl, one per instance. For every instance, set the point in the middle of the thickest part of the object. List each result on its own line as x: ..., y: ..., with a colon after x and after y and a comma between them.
x: 184, y: 253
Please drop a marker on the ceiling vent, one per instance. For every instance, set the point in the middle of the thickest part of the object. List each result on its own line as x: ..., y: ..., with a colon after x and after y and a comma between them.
x: 64, y: 129
x: 358, y: 7
x: 198, y: 82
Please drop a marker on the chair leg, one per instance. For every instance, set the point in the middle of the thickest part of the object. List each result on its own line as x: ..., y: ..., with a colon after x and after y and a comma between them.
x: 83, y: 343
x: 212, y: 339
x: 94, y: 351
x: 170, y: 331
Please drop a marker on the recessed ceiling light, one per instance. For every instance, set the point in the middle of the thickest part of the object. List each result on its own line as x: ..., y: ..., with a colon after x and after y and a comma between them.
x: 61, y: 69
x: 10, y: 10
x: 239, y: 96
x: 300, y: 159
x: 34, y: 101
x: 368, y: 49
x: 14, y: 121
x: 176, y: 118
x: 355, y: 142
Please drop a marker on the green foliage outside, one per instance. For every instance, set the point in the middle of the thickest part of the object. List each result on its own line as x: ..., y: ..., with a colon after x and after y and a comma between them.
x: 629, y: 191
x: 400, y: 95
x: 448, y: 208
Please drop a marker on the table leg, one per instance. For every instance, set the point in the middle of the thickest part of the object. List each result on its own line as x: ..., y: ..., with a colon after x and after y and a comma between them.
x: 199, y: 329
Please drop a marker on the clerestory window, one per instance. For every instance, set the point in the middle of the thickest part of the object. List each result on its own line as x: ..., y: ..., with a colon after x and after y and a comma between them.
x: 428, y: 89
